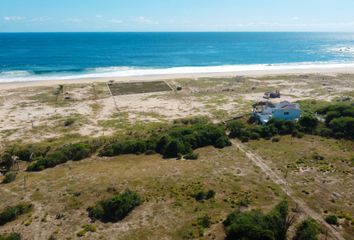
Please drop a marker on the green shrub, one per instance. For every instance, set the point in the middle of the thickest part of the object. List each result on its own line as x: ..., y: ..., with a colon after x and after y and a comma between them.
x: 11, y: 213
x: 205, y: 221
x: 9, y: 177
x: 255, y: 225
x: 309, y: 123
x: 10, y: 236
x: 202, y: 195
x: 75, y: 152
x: 210, y: 194
x: 342, y: 127
x: 332, y: 219
x: 116, y: 208
x: 308, y: 230
x: 191, y: 156
x: 222, y: 142
x: 236, y: 129
x: 175, y: 147
x: 176, y: 141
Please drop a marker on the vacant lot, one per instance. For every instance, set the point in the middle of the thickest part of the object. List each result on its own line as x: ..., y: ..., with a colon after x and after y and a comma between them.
x: 138, y: 87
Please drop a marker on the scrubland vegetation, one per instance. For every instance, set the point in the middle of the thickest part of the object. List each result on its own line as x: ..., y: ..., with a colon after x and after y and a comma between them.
x: 11, y: 213
x: 179, y: 140
x: 115, y: 208
x: 70, y: 182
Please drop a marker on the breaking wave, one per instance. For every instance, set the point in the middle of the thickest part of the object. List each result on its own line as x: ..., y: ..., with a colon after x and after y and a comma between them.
x: 116, y: 72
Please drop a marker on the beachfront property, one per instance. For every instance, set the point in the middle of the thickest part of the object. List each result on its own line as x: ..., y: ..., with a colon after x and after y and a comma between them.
x: 264, y: 111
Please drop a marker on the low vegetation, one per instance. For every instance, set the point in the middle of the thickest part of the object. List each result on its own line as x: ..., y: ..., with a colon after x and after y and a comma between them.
x: 9, y: 177
x: 179, y: 140
x: 308, y: 230
x: 202, y: 195
x: 11, y: 213
x: 86, y: 228
x: 255, y: 225
x: 115, y: 208
x: 74, y: 152
x: 10, y: 236
x: 332, y: 219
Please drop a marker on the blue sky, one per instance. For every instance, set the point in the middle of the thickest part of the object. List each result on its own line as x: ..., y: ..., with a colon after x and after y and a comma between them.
x: 176, y: 15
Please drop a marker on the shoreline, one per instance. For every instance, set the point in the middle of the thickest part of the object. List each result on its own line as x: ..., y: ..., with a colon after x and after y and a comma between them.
x: 323, y: 69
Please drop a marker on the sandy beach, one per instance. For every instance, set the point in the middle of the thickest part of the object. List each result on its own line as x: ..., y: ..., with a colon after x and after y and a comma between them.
x: 331, y: 69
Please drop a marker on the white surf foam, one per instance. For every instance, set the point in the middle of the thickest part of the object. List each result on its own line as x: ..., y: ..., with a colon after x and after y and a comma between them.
x: 116, y: 72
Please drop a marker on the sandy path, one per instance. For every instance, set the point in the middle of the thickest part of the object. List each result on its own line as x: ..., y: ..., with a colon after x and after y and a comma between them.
x: 284, y: 185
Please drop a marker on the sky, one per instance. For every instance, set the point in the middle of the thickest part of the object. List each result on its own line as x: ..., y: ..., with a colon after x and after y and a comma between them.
x: 176, y: 15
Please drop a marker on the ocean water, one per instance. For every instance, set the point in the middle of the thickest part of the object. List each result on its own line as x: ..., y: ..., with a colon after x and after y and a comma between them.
x: 43, y: 56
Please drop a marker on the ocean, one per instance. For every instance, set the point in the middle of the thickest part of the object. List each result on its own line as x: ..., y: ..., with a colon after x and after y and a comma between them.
x: 45, y: 56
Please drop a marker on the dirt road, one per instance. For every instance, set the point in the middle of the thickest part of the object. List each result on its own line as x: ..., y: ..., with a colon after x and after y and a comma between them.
x: 284, y: 185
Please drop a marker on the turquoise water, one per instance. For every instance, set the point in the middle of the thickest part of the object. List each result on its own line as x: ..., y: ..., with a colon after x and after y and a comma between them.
x: 37, y: 56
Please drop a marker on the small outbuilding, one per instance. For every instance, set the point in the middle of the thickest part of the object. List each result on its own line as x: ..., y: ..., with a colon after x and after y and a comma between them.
x: 264, y: 111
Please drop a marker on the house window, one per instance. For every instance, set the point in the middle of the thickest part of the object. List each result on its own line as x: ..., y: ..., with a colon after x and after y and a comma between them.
x: 286, y: 113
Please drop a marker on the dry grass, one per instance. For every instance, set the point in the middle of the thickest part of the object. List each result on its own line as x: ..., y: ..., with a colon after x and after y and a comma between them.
x: 326, y: 185
x: 168, y: 212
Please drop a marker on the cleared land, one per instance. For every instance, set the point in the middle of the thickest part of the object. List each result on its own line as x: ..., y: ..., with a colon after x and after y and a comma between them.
x: 138, y: 87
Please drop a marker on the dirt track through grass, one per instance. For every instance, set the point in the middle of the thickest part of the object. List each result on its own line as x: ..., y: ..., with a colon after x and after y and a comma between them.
x: 284, y: 185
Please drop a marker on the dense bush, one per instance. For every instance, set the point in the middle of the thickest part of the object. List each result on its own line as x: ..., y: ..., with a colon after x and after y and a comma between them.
x: 116, y: 208
x: 26, y: 152
x: 75, y: 152
x: 308, y: 123
x: 308, y: 230
x: 255, y: 225
x: 202, y: 195
x: 179, y: 140
x: 342, y: 127
x: 332, y: 219
x: 10, y: 236
x: 11, y: 213
x: 9, y: 177
x: 246, y: 132
x: 339, y: 118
